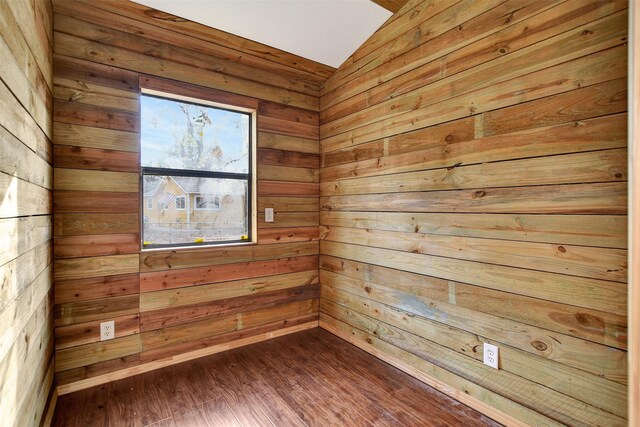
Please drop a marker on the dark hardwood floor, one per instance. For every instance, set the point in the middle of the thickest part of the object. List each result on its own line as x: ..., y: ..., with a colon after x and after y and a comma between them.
x: 308, y: 378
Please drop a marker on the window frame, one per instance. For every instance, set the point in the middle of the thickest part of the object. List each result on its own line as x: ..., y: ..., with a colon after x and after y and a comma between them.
x: 250, y: 177
x: 184, y: 203
x: 209, y: 197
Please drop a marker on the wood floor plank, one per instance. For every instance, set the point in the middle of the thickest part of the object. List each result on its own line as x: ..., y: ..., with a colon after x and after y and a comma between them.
x: 308, y: 378
x: 217, y: 412
x: 151, y: 401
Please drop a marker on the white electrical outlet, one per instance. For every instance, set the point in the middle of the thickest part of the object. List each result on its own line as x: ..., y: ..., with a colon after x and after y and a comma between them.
x: 491, y: 355
x: 107, y: 330
x: 268, y: 214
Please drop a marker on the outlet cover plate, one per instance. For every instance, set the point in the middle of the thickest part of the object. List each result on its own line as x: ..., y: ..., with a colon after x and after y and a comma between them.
x: 107, y: 330
x: 268, y: 214
x: 491, y: 355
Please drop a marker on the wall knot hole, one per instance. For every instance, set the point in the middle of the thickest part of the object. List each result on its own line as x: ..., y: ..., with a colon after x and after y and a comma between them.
x: 539, y: 345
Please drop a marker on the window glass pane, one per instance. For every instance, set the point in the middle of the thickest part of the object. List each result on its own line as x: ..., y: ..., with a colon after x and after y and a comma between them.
x: 181, y: 135
x: 181, y: 202
x: 214, y: 210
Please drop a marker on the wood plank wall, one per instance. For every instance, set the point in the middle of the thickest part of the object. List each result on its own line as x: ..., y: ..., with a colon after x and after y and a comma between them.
x: 474, y: 189
x: 171, y: 302
x: 634, y: 213
x: 26, y: 181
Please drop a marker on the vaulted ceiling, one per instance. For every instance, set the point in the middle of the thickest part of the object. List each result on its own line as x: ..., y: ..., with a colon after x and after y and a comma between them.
x: 326, y: 31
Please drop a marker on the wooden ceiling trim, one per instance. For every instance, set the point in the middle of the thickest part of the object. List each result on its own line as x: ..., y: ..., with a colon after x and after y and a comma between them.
x: 391, y: 5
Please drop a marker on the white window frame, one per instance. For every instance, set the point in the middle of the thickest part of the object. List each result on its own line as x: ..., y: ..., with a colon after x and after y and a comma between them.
x: 184, y: 203
x: 209, y: 197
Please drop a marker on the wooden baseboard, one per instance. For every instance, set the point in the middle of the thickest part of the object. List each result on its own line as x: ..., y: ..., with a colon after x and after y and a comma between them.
x: 50, y: 410
x: 156, y: 364
x: 458, y: 395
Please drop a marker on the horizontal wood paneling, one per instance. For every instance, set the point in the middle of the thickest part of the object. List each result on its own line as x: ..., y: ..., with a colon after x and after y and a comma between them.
x: 96, y: 202
x: 30, y: 87
x: 74, y: 357
x: 285, y: 188
x: 434, y: 150
x: 19, y: 161
x: 170, y: 279
x: 105, y: 52
x: 588, y: 69
x: 18, y: 274
x: 160, y: 25
x: 482, y: 310
x: 583, y: 230
x: 90, y: 137
x: 634, y: 224
x: 158, y: 319
x: 473, y: 189
x: 106, y: 36
x: 96, y: 309
x: 193, y: 331
x: 22, y: 198
x: 93, y: 245
x: 287, y: 143
x: 599, y: 166
x: 79, y: 268
x: 89, y: 332
x: 166, y: 299
x: 290, y: 219
x: 176, y: 260
x: 84, y: 180
x: 278, y: 157
x: 90, y: 94
x: 95, y: 159
x: 97, y: 287
x: 293, y: 234
x: 21, y: 124
x: 23, y: 234
x: 588, y: 293
x: 167, y: 302
x: 75, y: 224
x: 461, y: 49
x: 592, y: 262
x: 26, y: 225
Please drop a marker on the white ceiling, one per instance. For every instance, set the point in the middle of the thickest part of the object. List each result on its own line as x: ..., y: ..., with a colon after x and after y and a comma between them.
x: 326, y: 31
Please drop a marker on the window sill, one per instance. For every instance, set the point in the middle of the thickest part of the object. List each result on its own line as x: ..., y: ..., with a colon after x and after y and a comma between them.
x: 203, y: 247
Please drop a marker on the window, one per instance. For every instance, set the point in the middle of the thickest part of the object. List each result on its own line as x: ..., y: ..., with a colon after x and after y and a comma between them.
x: 207, y: 203
x: 198, y: 155
x: 181, y: 203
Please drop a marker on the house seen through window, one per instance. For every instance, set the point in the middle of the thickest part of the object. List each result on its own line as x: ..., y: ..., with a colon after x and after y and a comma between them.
x: 196, y: 165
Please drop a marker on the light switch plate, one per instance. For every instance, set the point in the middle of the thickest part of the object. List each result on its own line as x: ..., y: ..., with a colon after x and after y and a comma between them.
x: 268, y: 214
x: 491, y: 355
x: 107, y: 330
